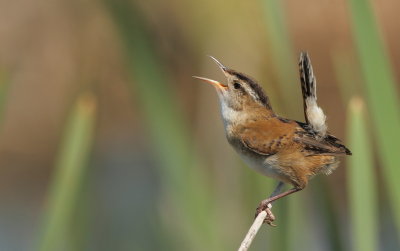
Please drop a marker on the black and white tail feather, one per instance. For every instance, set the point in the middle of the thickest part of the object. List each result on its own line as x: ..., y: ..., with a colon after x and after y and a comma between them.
x: 314, y: 115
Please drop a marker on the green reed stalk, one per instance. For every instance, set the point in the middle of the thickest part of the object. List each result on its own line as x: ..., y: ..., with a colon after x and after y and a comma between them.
x: 361, y: 181
x: 383, y: 101
x: 68, y: 173
x: 185, y: 189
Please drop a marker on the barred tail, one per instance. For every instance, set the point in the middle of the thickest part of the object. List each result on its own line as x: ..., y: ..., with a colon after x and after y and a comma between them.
x: 313, y: 114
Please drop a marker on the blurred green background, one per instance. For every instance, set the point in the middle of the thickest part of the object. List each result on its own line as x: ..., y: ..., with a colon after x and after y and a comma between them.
x: 107, y: 143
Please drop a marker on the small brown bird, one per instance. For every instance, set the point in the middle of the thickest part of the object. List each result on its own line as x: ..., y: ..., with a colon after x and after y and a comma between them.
x: 287, y: 150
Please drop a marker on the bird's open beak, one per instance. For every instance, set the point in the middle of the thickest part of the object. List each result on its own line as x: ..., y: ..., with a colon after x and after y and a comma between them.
x: 213, y: 82
x: 220, y: 65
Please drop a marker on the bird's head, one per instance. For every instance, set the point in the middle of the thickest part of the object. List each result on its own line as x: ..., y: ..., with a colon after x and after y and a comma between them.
x: 241, y: 93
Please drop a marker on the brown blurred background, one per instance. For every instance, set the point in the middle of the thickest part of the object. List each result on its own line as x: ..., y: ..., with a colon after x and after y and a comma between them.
x: 52, y: 51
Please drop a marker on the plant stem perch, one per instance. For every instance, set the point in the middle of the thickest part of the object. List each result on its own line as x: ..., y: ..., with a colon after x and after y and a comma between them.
x: 258, y: 221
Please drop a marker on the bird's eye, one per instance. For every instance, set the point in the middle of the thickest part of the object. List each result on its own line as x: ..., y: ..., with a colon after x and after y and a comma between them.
x: 236, y: 85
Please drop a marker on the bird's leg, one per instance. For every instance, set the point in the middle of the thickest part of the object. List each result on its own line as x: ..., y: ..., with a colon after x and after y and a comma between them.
x: 270, y: 216
x: 277, y: 189
x: 266, y: 204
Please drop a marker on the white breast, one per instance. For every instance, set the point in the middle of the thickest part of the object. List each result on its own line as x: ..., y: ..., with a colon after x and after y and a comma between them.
x: 267, y: 166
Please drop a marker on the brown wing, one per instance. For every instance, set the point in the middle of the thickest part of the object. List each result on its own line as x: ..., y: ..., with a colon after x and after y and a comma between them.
x: 329, y: 145
x: 268, y: 136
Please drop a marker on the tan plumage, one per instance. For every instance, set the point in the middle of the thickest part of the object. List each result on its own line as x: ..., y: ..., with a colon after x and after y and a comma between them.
x: 298, y: 154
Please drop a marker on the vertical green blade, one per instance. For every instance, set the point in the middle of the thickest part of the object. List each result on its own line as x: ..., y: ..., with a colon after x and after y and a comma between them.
x: 361, y: 181
x: 383, y: 101
x: 282, y: 56
x: 184, y: 188
x: 69, y: 169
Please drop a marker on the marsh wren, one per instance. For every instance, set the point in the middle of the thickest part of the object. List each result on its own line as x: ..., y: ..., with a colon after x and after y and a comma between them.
x: 287, y: 150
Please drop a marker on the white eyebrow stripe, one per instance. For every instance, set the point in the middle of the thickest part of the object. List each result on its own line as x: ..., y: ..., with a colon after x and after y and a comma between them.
x: 251, y: 92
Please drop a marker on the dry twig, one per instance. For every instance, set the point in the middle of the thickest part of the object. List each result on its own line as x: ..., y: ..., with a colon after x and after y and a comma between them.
x: 258, y: 221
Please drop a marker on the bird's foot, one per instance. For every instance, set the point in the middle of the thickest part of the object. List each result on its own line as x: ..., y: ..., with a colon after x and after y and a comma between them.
x: 266, y: 206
